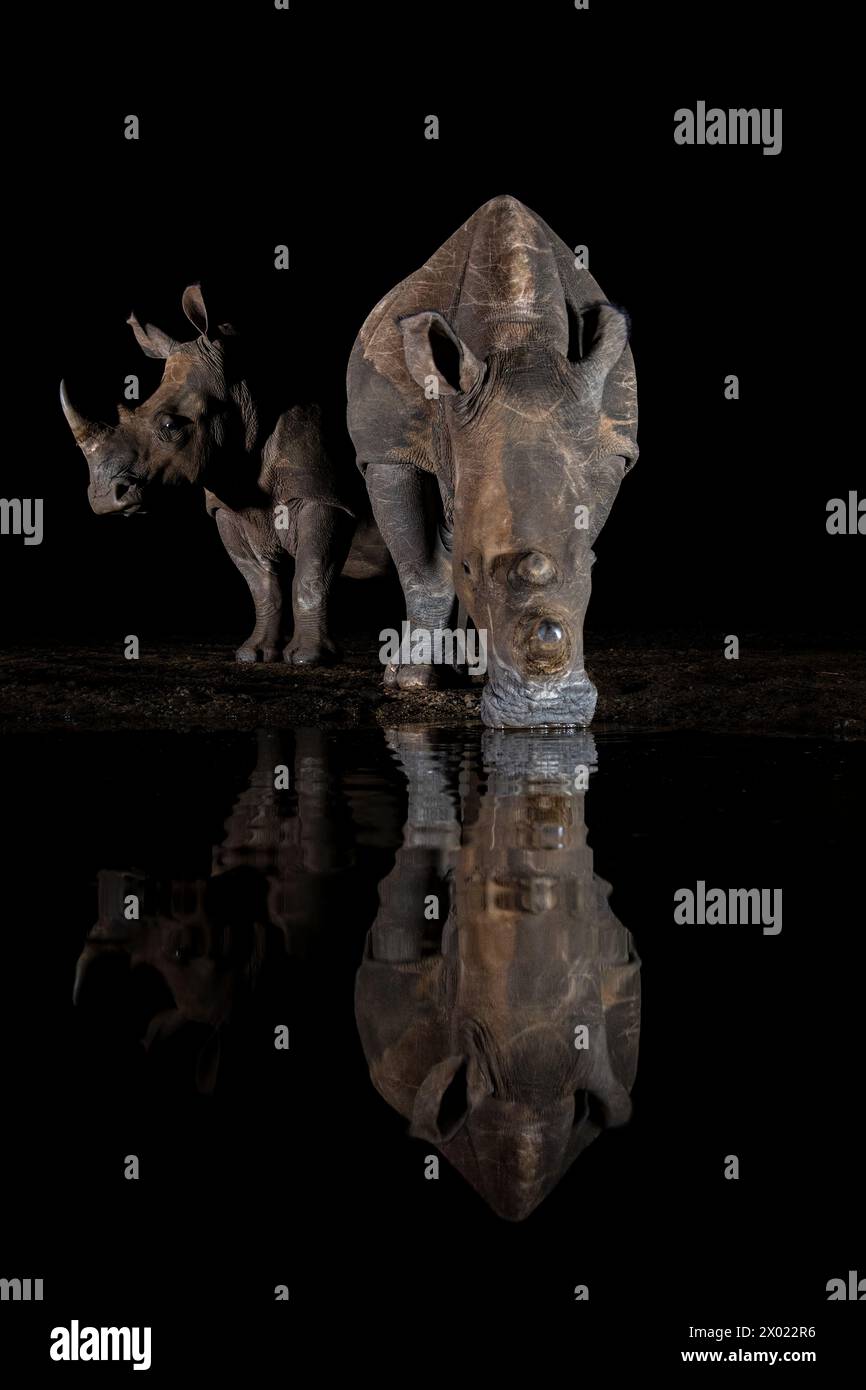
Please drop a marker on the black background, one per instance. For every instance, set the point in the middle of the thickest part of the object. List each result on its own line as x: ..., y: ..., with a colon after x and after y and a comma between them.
x: 260, y: 128
x: 310, y: 132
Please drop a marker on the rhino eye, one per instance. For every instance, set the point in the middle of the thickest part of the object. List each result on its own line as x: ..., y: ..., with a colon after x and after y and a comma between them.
x: 173, y: 424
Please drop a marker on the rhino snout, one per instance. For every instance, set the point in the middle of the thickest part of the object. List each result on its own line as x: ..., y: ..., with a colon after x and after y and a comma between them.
x: 121, y: 495
x: 508, y: 702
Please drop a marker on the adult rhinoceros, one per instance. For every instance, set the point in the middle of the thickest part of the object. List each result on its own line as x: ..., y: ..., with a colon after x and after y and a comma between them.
x: 508, y: 1033
x: 493, y: 408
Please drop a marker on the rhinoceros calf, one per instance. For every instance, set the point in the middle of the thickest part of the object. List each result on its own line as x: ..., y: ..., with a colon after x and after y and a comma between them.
x: 493, y: 408
x: 268, y: 480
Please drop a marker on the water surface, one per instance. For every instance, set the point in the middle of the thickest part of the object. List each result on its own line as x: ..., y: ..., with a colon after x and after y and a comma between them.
x: 496, y: 1031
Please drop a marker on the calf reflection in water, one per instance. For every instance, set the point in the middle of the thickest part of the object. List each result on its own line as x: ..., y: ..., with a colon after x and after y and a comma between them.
x: 177, y: 973
x: 181, y: 962
x: 507, y: 1035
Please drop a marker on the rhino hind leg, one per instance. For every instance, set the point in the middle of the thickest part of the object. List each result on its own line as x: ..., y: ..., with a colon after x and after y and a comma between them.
x: 406, y: 506
x: 324, y: 537
x: 262, y: 575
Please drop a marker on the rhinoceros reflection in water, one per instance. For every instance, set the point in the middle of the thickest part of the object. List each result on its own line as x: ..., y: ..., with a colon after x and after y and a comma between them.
x: 202, y: 945
x: 468, y: 1025
x: 475, y: 1037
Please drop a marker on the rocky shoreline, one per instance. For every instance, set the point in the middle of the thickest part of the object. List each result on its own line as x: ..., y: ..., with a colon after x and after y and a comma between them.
x: 667, y: 682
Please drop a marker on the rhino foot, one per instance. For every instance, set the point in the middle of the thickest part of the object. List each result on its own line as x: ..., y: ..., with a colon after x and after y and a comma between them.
x: 248, y: 654
x: 311, y: 651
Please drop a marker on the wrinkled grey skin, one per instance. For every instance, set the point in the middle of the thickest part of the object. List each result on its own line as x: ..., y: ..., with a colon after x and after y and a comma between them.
x: 206, y: 424
x: 490, y: 395
x: 469, y: 1027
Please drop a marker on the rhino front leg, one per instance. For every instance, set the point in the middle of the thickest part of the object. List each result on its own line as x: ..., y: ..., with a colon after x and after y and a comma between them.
x: 405, y: 503
x: 323, y: 540
x: 262, y: 575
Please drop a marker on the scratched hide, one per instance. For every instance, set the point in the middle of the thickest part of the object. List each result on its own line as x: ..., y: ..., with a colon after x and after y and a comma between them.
x: 493, y: 408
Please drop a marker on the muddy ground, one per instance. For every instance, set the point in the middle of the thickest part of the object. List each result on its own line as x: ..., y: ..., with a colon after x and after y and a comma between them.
x: 664, y: 682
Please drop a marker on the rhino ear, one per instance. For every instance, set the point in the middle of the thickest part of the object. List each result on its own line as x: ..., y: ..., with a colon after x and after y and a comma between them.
x: 193, y: 307
x: 605, y: 335
x: 448, y: 1094
x: 433, y: 350
x: 152, y: 341
x: 442, y: 1103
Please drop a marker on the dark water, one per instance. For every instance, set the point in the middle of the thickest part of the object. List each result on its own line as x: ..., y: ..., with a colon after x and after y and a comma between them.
x: 433, y: 916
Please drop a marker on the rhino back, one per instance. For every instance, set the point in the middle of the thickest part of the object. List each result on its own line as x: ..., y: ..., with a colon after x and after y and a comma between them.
x: 502, y: 275
x: 303, y: 464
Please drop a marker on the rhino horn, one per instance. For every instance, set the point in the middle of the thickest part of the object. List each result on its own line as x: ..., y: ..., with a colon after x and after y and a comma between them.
x: 80, y: 972
x: 82, y: 428
x: 94, y: 952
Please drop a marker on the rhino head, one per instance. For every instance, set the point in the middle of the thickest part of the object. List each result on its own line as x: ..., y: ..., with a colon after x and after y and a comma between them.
x: 535, y: 381
x: 179, y: 971
x: 181, y: 433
